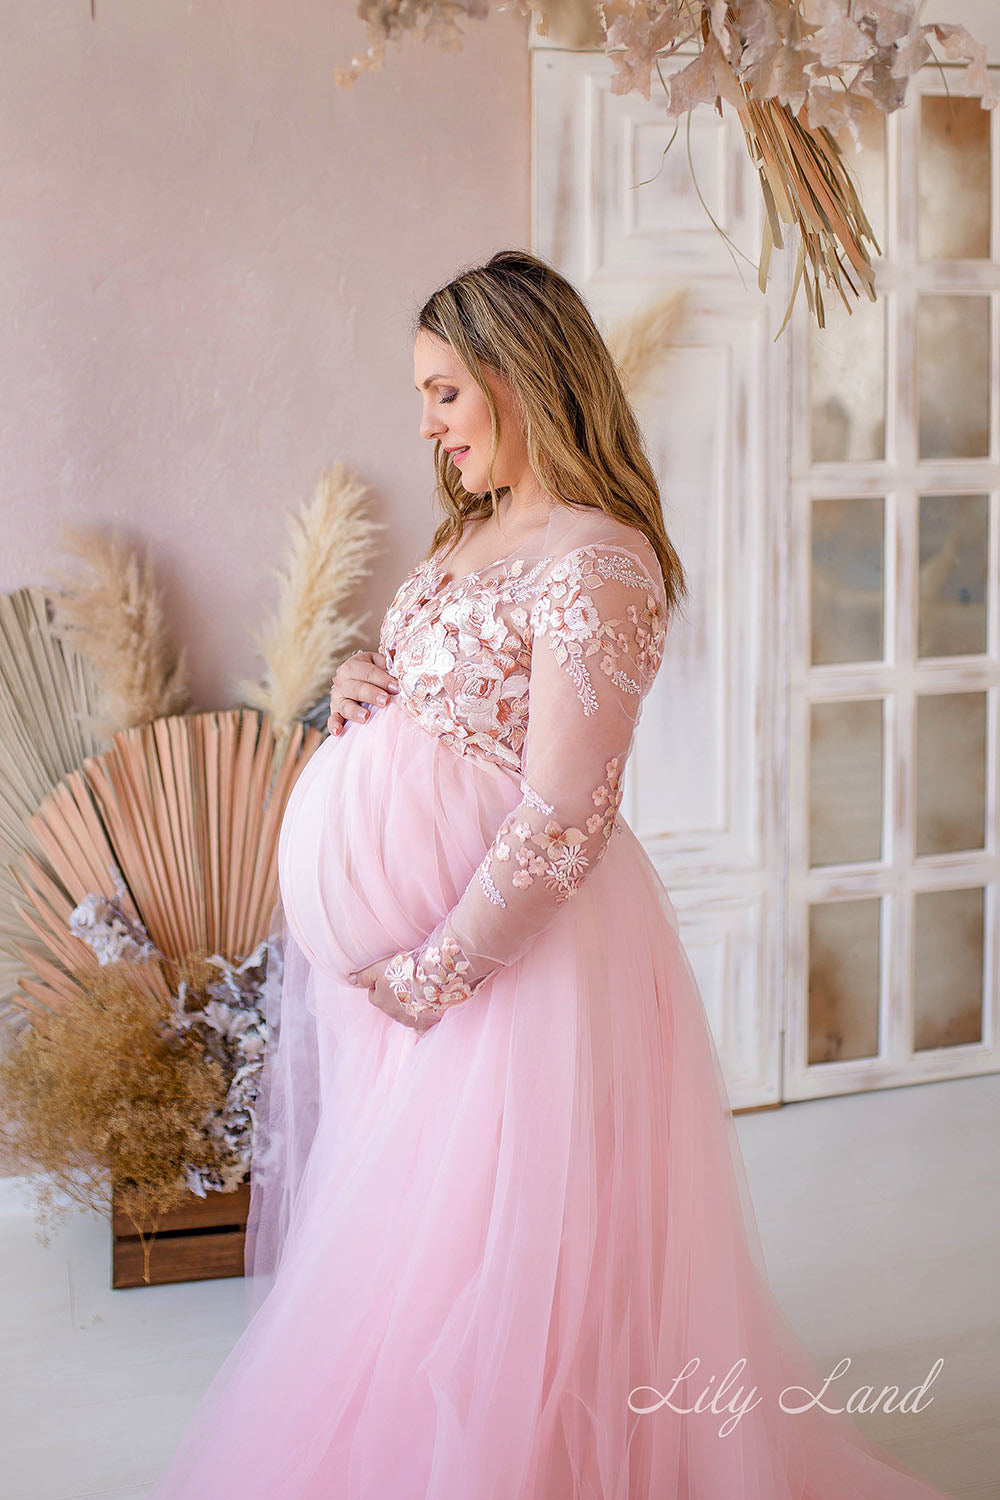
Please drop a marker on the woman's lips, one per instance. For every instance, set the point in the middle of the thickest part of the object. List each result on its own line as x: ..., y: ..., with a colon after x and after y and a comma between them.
x: 457, y: 454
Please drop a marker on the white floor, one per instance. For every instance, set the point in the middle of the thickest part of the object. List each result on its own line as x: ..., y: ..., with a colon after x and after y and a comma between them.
x: 880, y: 1217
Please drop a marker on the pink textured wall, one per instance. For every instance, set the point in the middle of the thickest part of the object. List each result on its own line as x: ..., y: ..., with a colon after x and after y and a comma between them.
x: 209, y: 258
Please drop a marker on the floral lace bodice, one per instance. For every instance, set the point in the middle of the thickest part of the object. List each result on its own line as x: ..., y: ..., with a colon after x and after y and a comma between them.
x: 539, y: 666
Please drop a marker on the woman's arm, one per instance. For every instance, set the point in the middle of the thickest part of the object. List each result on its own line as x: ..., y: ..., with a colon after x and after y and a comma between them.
x: 598, y: 634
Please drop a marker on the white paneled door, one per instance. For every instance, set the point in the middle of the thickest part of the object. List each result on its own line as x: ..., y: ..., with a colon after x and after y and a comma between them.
x: 815, y: 774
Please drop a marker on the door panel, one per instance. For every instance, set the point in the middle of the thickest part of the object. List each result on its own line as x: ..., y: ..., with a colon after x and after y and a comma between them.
x: 703, y: 783
x: 816, y: 771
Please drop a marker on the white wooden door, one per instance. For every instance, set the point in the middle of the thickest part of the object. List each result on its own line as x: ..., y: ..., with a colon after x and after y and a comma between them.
x: 703, y: 788
x: 852, y: 963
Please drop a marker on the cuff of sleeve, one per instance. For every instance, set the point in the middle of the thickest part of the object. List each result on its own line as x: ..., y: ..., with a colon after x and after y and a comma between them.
x: 434, y: 977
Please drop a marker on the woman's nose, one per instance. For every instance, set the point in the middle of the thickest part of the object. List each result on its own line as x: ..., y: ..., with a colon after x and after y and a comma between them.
x: 431, y: 427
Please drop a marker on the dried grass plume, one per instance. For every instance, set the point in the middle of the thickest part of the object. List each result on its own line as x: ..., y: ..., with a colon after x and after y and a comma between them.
x: 306, y: 637
x: 640, y: 342
x: 113, y: 615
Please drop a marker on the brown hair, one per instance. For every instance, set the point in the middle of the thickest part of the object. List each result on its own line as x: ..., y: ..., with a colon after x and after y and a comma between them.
x: 522, y: 319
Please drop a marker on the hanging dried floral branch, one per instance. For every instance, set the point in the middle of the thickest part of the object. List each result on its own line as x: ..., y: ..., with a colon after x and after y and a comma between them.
x: 48, y: 696
x: 390, y: 20
x: 113, y: 616
x: 868, y: 48
x: 306, y: 637
x: 794, y: 81
x: 862, y: 53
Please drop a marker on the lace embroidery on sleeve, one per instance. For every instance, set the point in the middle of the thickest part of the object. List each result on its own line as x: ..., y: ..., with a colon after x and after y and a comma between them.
x: 567, y: 615
x: 433, y: 977
x: 553, y: 851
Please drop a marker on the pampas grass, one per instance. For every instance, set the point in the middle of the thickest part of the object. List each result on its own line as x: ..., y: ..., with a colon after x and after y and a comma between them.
x: 48, y: 696
x: 640, y: 343
x: 113, y: 615
x: 306, y: 638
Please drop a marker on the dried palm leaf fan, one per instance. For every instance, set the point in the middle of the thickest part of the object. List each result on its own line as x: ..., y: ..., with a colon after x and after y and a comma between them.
x: 804, y: 182
x: 179, y: 822
x: 48, y: 695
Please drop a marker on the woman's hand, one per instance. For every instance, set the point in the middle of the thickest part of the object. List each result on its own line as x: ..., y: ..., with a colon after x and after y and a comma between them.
x: 383, y: 996
x: 360, y: 680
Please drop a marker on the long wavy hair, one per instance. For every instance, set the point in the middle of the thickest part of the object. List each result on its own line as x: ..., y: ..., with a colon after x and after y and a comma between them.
x: 519, y: 317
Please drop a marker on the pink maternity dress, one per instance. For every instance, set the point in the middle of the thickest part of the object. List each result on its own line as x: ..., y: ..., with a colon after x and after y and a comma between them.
x: 502, y: 1258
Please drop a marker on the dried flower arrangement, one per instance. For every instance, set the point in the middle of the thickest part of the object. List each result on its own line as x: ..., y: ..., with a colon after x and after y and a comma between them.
x: 147, y: 878
x: 103, y: 1084
x: 797, y: 72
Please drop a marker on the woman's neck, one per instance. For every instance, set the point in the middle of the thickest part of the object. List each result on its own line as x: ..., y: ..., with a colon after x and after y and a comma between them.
x: 520, y: 513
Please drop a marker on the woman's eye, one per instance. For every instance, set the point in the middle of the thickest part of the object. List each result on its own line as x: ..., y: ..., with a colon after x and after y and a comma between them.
x: 449, y: 398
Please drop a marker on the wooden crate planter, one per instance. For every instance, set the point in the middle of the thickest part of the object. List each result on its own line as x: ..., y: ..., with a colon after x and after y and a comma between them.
x: 202, y: 1239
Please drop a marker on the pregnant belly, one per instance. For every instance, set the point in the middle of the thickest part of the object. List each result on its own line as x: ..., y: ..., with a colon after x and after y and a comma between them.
x: 383, y: 830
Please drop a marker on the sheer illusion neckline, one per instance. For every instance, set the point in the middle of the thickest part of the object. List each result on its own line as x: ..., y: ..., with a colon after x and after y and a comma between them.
x: 445, y: 582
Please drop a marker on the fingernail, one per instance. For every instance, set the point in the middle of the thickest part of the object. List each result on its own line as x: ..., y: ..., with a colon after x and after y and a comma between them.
x: 383, y: 698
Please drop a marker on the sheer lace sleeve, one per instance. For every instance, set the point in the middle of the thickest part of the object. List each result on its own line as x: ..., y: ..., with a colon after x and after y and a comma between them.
x: 598, y: 631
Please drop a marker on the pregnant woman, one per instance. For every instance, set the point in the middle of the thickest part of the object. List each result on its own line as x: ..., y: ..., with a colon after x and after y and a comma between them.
x: 500, y: 1243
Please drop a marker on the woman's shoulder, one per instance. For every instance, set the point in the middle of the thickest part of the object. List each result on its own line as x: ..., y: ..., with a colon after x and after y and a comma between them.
x: 588, y: 537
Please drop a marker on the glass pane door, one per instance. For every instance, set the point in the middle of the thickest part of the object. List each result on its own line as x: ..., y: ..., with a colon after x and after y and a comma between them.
x: 895, y: 669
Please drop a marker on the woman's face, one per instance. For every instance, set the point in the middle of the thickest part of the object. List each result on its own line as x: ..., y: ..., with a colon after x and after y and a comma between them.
x: 455, y: 413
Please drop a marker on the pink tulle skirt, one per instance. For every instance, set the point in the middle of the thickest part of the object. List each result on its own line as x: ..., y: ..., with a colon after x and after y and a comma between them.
x: 502, y: 1259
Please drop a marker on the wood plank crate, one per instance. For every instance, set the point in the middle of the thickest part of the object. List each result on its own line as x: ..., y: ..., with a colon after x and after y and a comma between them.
x: 200, y: 1240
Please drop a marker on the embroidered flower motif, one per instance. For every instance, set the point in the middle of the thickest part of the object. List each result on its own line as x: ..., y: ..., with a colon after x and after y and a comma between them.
x: 434, y: 981
x: 429, y: 658
x: 472, y: 618
x: 489, y: 696
x: 566, y: 617
x: 462, y: 656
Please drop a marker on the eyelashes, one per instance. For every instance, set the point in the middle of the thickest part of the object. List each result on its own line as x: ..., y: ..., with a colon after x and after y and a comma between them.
x: 444, y: 399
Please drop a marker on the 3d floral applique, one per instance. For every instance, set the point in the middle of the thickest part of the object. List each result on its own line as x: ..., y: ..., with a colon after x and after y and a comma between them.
x: 461, y: 648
